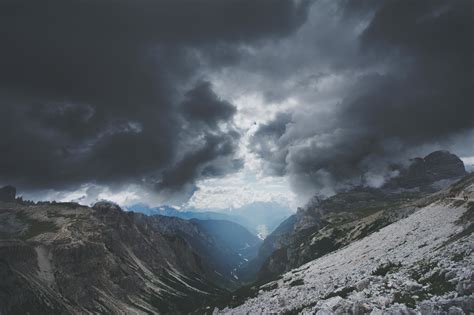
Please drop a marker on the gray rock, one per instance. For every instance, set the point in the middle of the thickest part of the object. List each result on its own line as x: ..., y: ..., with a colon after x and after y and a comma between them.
x: 455, y: 311
x: 427, y: 308
x: 436, y: 166
x: 362, y: 284
x: 7, y: 194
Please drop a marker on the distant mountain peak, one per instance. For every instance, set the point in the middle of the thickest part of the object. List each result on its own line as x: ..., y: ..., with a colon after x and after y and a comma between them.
x: 436, y: 166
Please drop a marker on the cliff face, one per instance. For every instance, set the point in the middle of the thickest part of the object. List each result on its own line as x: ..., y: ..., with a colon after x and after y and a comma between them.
x: 422, y: 172
x: 224, y: 246
x: 64, y: 258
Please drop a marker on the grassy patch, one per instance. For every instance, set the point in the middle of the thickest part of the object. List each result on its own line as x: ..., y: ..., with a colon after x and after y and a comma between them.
x: 467, y: 216
x: 296, y: 282
x: 383, y: 270
x: 35, y: 227
x: 466, y: 232
x: 298, y: 310
x: 404, y: 298
x: 462, y: 184
x: 322, y: 247
x: 344, y: 292
x: 438, y: 284
x: 458, y: 257
x: 270, y: 287
x: 423, y: 269
x: 373, y: 227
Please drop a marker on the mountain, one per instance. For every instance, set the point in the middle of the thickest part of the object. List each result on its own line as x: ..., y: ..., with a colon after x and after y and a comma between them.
x: 424, y: 172
x: 326, y: 225
x: 185, y: 214
x: 418, y: 264
x: 260, y: 218
x: 402, y: 248
x: 61, y: 258
x: 223, y: 246
x: 264, y: 217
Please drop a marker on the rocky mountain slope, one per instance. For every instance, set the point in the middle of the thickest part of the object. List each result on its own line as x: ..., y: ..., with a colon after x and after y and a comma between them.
x: 223, y: 246
x: 326, y: 225
x: 422, y: 263
x: 58, y: 258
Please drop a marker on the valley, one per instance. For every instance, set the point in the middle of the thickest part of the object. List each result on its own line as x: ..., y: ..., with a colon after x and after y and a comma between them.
x: 364, y: 250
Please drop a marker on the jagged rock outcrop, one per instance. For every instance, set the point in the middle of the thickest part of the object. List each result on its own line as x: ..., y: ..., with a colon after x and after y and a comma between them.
x: 421, y: 172
x: 8, y: 193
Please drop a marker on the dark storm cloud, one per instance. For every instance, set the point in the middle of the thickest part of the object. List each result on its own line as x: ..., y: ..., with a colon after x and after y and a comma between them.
x: 203, y: 105
x: 265, y: 143
x: 111, y: 91
x: 415, y: 88
x: 197, y: 164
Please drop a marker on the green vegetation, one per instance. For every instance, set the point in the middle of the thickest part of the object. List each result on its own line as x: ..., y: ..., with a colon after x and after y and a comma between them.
x: 296, y: 282
x: 344, y: 292
x: 383, y: 270
x: 270, y: 287
x: 438, y: 284
x: 404, y: 298
x: 458, y: 257
x: 372, y: 227
x: 35, y: 227
x: 466, y: 232
x: 468, y: 216
x: 322, y: 247
x: 462, y: 184
x: 298, y: 310
x: 423, y: 269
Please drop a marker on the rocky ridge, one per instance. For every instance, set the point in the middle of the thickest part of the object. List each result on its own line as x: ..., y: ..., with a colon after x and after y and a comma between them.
x: 58, y: 258
x: 421, y: 264
x: 325, y: 225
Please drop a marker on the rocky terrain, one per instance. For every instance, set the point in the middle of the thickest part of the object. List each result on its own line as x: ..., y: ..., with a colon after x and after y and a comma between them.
x: 326, y: 225
x: 58, y: 258
x: 420, y: 264
x: 397, y: 249
x: 223, y: 246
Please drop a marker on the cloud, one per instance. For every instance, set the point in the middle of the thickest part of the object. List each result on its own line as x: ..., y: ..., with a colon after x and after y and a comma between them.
x: 203, y: 105
x: 266, y: 143
x: 160, y: 95
x: 114, y: 92
x: 405, y: 87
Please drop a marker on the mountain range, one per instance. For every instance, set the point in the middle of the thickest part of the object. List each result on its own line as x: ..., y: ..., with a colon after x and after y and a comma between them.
x: 402, y: 248
x: 260, y: 218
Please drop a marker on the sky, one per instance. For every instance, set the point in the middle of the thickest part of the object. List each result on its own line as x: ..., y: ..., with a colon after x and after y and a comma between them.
x: 216, y: 104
